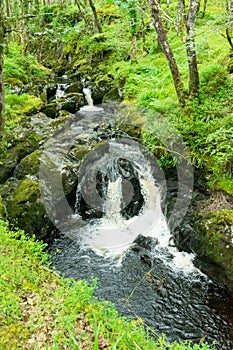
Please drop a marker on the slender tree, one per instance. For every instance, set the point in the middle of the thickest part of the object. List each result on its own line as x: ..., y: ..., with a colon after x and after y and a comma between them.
x: 163, y: 41
x: 96, y: 19
x: 1, y: 68
x: 189, y: 21
x: 194, y: 6
x: 180, y: 18
x: 229, y: 11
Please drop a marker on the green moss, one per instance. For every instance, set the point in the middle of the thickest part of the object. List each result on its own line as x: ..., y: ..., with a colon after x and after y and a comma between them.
x: 130, y: 119
x: 32, y: 105
x: 13, y: 336
x: 29, y: 165
x: 217, y: 232
x: 26, y: 209
x: 2, y: 209
x: 225, y: 185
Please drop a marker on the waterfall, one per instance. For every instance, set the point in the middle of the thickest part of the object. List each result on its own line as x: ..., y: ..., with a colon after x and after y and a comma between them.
x: 112, y: 206
x: 122, y: 185
x: 87, y: 93
x: 90, y: 103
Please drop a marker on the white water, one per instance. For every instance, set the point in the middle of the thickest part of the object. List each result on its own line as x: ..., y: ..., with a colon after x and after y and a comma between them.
x: 90, y: 104
x: 60, y: 90
x: 112, y: 205
x: 112, y: 235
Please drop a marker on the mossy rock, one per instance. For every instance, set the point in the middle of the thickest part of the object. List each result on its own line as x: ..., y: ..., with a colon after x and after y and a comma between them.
x: 51, y: 110
x: 2, y: 210
x: 100, y: 88
x: 13, y: 155
x: 112, y: 96
x: 216, y: 231
x: 70, y: 102
x: 75, y: 87
x: 8, y: 188
x: 130, y: 120
x: 32, y: 106
x: 225, y: 185
x: 26, y: 211
x: 29, y: 165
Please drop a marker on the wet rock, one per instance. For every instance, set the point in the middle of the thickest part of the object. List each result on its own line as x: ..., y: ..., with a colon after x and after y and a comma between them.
x: 75, y: 87
x: 112, y: 95
x: 51, y: 110
x: 29, y: 165
x: 216, y: 231
x: 9, y: 159
x: 26, y: 210
x: 70, y: 103
x: 100, y: 88
x: 51, y: 91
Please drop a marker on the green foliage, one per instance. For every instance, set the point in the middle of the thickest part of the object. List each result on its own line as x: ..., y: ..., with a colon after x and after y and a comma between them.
x: 39, y: 309
x: 19, y: 105
x: 20, y: 69
x: 213, y: 77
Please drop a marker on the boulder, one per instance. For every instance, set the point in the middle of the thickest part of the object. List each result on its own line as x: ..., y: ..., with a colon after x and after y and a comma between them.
x: 100, y: 88
x: 131, y: 120
x: 75, y: 87
x: 13, y: 155
x: 29, y: 165
x: 112, y: 95
x: 216, y: 231
x: 70, y: 102
x: 26, y: 211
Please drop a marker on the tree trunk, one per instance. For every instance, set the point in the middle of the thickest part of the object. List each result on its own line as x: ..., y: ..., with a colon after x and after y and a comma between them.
x: 1, y: 69
x: 162, y: 37
x: 96, y: 19
x: 190, y: 47
x: 229, y: 10
x: 180, y: 19
x: 204, y: 9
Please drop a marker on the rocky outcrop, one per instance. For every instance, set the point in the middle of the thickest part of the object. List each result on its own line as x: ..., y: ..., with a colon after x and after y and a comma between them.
x: 70, y: 102
x: 26, y: 210
x: 215, y: 229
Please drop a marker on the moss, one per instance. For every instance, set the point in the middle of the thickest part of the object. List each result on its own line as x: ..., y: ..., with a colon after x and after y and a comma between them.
x: 19, y: 150
x: 26, y: 209
x: 32, y: 105
x: 13, y: 336
x: 130, y: 119
x: 75, y: 87
x: 70, y: 103
x: 29, y: 165
x: 2, y: 209
x: 216, y: 230
x: 225, y: 185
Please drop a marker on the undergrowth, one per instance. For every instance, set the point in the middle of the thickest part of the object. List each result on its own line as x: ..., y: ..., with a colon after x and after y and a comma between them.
x: 39, y: 310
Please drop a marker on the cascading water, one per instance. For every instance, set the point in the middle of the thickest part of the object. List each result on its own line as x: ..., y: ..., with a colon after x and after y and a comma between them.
x: 125, y: 242
x: 87, y: 93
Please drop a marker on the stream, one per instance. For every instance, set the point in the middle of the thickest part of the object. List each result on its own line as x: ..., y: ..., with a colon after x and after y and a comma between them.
x: 118, y: 233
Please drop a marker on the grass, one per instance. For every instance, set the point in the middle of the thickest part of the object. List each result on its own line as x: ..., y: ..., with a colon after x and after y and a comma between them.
x: 40, y: 310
